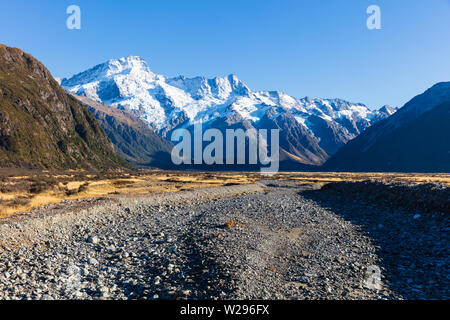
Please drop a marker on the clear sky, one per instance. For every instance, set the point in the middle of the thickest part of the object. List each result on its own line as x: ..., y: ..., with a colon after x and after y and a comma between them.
x: 301, y: 47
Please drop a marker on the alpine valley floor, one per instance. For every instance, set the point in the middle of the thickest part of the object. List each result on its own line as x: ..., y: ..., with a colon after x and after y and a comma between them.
x: 268, y: 239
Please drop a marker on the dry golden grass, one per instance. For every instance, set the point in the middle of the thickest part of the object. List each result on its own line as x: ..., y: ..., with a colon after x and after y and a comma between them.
x: 22, y: 190
x: 327, y: 177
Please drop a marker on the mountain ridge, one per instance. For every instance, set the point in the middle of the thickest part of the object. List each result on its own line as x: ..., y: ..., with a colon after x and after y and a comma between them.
x: 132, y: 138
x: 389, y: 144
x: 180, y: 102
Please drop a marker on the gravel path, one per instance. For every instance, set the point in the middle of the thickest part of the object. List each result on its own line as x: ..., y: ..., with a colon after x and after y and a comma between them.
x: 272, y: 240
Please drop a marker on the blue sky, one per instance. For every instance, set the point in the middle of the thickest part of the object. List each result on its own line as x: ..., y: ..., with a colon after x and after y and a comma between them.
x: 301, y: 47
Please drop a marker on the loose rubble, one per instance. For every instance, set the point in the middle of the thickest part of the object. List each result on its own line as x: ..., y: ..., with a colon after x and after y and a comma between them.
x: 271, y: 240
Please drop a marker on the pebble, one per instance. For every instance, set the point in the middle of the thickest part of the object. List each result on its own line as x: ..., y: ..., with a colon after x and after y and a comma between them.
x: 93, y: 240
x: 185, y: 250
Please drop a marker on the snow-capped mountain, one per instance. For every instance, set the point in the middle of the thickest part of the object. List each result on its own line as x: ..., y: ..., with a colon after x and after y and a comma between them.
x: 312, y: 129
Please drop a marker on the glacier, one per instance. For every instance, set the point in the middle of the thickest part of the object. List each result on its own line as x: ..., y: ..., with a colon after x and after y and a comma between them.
x: 168, y: 103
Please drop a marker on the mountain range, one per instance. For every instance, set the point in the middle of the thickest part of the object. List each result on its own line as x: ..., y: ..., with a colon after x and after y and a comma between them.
x: 121, y: 110
x: 311, y: 129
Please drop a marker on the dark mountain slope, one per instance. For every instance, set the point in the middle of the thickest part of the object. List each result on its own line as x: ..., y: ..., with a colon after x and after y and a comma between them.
x: 132, y: 138
x: 356, y: 155
x: 41, y: 125
x: 295, y: 141
x: 419, y: 145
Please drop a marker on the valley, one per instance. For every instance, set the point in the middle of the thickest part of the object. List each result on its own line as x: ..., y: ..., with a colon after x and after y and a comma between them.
x: 269, y: 239
x: 22, y: 190
x: 92, y: 208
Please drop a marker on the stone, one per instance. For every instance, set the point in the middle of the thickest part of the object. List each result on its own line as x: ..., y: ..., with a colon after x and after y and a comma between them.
x: 93, y: 240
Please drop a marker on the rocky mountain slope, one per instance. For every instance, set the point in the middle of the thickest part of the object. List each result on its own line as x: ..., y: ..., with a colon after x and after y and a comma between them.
x: 311, y: 129
x: 414, y: 139
x: 133, y: 140
x: 41, y: 125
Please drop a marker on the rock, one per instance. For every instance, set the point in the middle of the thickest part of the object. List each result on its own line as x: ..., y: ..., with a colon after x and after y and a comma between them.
x: 275, y: 254
x: 186, y: 292
x: 93, y: 240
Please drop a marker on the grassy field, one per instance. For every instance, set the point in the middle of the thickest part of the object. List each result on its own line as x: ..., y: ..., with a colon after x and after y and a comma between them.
x: 22, y: 190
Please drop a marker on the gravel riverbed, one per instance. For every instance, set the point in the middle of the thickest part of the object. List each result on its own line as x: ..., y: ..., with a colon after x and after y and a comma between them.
x: 270, y: 240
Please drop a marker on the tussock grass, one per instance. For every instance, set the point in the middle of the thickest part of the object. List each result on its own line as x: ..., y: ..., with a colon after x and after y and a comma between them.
x: 24, y: 189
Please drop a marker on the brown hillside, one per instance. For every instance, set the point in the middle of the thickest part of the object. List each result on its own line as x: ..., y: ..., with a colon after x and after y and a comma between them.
x: 42, y: 126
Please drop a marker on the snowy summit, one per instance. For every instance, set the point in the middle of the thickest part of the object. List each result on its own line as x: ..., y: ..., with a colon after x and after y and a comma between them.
x: 166, y: 103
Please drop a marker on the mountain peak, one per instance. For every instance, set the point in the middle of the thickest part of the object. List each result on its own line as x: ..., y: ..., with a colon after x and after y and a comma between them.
x: 101, y: 72
x: 124, y: 63
x: 238, y: 86
x: 387, y: 109
x: 431, y: 98
x: 233, y: 78
x: 166, y: 103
